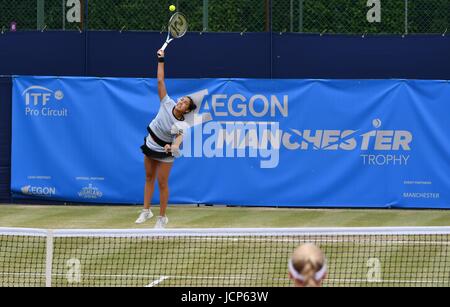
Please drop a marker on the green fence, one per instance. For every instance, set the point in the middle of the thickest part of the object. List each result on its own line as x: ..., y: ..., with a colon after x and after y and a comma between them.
x: 301, y: 16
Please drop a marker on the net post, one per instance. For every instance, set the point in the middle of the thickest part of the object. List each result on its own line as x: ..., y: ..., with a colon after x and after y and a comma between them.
x: 49, y: 259
x: 300, y: 18
x: 40, y: 14
x: 205, y: 15
x: 64, y: 14
x: 291, y: 16
x: 406, y: 17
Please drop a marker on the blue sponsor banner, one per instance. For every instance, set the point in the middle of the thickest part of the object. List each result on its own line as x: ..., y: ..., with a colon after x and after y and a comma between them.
x: 306, y: 143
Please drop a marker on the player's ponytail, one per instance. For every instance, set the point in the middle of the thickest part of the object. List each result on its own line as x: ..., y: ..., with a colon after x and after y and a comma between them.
x: 192, y: 105
x: 307, y: 267
x: 308, y: 273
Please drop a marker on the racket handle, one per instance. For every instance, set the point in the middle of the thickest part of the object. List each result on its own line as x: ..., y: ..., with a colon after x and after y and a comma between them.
x: 164, y: 46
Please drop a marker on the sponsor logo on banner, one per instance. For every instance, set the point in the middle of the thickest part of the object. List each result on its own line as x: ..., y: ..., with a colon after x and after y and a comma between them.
x: 90, y: 192
x: 86, y: 178
x: 420, y: 184
x: 421, y: 195
x: 32, y: 177
x: 38, y: 191
x: 225, y: 134
x: 44, y: 102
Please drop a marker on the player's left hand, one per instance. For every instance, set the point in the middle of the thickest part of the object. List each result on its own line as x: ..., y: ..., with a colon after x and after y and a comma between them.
x: 167, y: 148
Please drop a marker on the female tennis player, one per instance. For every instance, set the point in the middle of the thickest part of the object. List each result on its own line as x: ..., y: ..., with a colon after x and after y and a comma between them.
x: 162, y: 144
x: 307, y: 267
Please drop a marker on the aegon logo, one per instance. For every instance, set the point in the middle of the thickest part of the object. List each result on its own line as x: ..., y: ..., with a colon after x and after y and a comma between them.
x: 236, y: 139
x: 38, y: 191
x: 38, y: 99
x: 238, y: 105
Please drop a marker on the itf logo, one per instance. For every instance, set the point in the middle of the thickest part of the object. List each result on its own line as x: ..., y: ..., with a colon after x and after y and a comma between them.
x: 41, y: 101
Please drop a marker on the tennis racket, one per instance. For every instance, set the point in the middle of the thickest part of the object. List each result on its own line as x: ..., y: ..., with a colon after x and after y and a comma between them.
x: 178, y: 26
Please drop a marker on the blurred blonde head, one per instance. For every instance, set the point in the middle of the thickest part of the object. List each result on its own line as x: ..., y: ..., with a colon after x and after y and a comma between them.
x: 307, y: 267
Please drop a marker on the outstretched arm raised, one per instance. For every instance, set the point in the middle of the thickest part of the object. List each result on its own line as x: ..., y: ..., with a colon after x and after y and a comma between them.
x: 162, y: 92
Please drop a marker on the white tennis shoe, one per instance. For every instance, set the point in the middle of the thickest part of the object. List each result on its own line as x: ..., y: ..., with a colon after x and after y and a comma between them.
x: 161, y: 222
x: 145, y: 215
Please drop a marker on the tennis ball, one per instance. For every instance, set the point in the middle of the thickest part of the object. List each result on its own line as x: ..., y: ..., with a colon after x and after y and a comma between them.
x: 172, y: 8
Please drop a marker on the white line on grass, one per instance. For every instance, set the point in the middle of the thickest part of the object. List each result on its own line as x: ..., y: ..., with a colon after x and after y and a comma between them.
x: 156, y: 282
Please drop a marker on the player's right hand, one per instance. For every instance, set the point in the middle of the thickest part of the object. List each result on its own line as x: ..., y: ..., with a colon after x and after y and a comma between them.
x: 175, y: 151
x: 160, y: 53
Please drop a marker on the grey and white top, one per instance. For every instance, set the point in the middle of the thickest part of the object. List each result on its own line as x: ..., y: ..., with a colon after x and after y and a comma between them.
x: 165, y: 125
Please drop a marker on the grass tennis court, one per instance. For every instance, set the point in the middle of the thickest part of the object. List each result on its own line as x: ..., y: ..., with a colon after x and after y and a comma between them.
x: 109, y: 217
x: 219, y: 260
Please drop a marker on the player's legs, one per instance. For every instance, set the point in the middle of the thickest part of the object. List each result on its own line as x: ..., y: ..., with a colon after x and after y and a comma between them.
x: 151, y: 169
x: 163, y: 183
